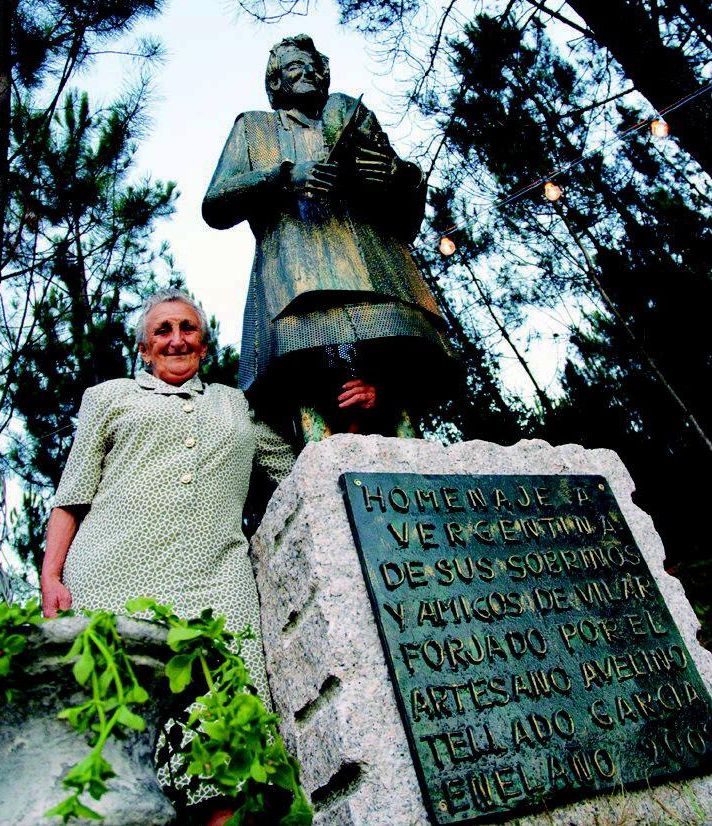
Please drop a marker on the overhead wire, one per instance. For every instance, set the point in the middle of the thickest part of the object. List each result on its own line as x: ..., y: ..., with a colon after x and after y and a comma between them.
x: 558, y: 171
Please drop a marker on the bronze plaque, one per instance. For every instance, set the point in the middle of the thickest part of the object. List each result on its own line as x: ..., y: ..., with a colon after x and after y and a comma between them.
x: 532, y: 655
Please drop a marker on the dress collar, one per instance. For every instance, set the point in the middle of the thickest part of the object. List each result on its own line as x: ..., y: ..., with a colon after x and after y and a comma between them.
x: 149, y: 382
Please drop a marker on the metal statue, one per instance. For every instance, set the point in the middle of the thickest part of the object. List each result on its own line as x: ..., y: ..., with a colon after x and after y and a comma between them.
x: 334, y: 292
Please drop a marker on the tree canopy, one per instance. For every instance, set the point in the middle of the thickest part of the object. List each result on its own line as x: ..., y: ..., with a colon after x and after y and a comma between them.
x: 580, y: 318
x: 620, y: 262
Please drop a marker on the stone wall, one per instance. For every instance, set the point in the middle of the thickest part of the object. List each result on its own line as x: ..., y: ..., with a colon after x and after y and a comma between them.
x: 324, y: 657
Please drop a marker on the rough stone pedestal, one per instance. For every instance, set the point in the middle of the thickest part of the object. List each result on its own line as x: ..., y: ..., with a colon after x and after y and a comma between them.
x: 324, y: 656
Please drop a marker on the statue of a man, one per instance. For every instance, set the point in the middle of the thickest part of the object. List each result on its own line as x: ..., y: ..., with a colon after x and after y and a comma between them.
x: 334, y: 292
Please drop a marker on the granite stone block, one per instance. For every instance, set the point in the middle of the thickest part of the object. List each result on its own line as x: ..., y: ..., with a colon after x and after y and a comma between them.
x: 327, y: 671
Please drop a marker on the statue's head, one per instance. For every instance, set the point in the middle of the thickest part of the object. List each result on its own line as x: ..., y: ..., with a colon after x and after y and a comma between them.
x: 297, y: 74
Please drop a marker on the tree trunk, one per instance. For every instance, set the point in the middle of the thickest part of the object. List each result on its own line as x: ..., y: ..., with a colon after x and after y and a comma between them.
x: 660, y: 73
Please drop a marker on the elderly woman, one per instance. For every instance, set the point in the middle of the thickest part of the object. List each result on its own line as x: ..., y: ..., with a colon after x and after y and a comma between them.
x: 150, y: 502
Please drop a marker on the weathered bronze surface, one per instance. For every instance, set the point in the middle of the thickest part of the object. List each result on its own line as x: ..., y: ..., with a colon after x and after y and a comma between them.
x: 532, y: 655
x: 333, y: 209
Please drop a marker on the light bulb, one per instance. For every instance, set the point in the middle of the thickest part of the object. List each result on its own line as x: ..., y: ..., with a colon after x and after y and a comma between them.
x: 447, y: 245
x: 659, y: 128
x: 552, y: 192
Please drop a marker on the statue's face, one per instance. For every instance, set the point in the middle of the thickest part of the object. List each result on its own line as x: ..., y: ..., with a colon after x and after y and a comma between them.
x: 300, y: 75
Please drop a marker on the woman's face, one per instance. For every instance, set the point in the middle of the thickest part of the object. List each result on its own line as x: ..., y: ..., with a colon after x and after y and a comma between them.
x: 174, y: 342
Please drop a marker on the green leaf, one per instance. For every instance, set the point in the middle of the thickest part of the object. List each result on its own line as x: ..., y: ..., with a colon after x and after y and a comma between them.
x: 219, y: 758
x: 104, y: 681
x: 80, y: 773
x: 65, y: 612
x: 216, y: 730
x: 138, y: 604
x: 300, y: 812
x: 83, y: 667
x: 250, y: 708
x: 72, y: 807
x: 85, y: 811
x: 130, y: 720
x: 74, y: 717
x: 236, y: 742
x: 102, y: 767
x: 198, y: 750
x: 136, y: 694
x: 14, y: 643
x: 179, y: 670
x: 97, y: 788
x: 111, y: 703
x: 195, y: 768
x: 178, y: 635
x: 258, y: 773
x: 65, y: 807
x: 75, y: 649
x: 91, y: 772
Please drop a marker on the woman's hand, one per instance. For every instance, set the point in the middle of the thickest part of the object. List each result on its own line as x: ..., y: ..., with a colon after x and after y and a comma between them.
x: 358, y: 394
x: 61, y: 530
x: 55, y: 597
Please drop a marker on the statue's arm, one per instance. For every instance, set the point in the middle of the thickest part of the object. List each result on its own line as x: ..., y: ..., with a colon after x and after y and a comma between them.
x: 236, y: 189
x: 400, y: 185
x: 410, y: 190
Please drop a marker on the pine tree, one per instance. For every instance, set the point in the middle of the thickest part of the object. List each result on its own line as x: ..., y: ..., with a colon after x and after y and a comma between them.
x: 625, y: 252
x: 42, y: 44
x: 83, y: 257
x: 665, y: 59
x: 74, y: 231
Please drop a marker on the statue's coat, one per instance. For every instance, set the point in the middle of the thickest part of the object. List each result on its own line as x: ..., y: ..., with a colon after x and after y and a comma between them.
x: 344, y: 252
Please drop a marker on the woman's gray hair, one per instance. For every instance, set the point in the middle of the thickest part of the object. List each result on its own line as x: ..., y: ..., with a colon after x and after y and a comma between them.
x: 161, y: 296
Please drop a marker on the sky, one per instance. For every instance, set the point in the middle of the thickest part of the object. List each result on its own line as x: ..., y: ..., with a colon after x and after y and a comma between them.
x: 214, y: 69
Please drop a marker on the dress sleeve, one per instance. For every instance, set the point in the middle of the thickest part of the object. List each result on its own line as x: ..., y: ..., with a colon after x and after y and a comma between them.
x: 82, y: 472
x: 273, y: 455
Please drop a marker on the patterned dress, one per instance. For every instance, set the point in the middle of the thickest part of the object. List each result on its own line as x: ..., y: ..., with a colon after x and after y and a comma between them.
x: 165, y: 471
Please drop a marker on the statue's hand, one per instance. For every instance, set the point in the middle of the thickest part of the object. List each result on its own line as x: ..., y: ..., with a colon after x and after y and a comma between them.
x: 315, y: 179
x: 379, y: 168
x: 375, y: 167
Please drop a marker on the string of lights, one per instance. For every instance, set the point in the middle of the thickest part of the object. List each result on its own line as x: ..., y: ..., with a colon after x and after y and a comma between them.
x: 659, y: 128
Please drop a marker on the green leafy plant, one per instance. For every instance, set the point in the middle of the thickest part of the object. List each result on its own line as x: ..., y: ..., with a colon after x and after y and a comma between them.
x: 15, y: 620
x: 235, y: 746
x: 103, y: 668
